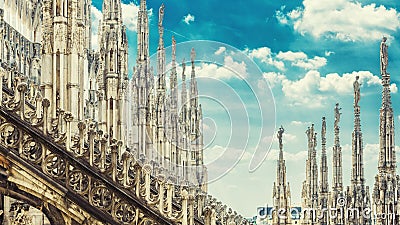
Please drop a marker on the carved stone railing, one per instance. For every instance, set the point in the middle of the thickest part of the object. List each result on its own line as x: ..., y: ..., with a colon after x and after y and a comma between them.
x: 116, y: 187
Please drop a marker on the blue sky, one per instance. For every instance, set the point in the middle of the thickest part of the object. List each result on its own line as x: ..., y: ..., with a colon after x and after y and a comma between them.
x: 308, y: 52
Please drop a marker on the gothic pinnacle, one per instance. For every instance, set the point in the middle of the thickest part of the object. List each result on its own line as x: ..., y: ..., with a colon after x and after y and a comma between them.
x: 357, y: 145
x: 387, y: 155
x: 143, y: 33
x: 337, y: 153
x: 386, y: 187
x: 324, y: 164
x: 281, y: 189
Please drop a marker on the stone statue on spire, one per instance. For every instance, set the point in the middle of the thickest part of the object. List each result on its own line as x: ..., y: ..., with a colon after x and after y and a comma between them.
x: 356, y: 86
x: 160, y: 20
x: 337, y: 115
x: 280, y: 135
x: 161, y: 15
x: 384, y: 56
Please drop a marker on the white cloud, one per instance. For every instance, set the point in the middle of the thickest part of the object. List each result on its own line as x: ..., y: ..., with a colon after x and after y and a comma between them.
x: 342, y: 19
x: 220, y: 50
x: 260, y: 53
x: 188, y: 18
x: 229, y: 70
x: 96, y: 16
x: 344, y: 84
x: 129, y: 15
x: 265, y: 55
x: 300, y: 59
x: 311, y: 90
x: 311, y: 64
x: 329, y: 53
x: 393, y: 88
x: 304, y: 91
x: 288, y: 156
x: 239, y: 68
x: 282, y: 18
x: 299, y: 123
x: 273, y: 78
x: 291, y: 56
x: 297, y: 59
x: 295, y: 14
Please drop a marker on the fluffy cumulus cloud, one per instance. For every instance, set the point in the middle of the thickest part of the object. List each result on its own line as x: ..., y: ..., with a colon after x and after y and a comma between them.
x: 342, y: 19
x: 265, y: 55
x: 230, y: 69
x: 129, y: 15
x: 292, y: 56
x: 273, y: 78
x: 188, y: 19
x: 300, y: 59
x: 96, y: 17
x: 296, y: 59
x: 304, y: 91
x: 344, y: 84
x: 313, y: 89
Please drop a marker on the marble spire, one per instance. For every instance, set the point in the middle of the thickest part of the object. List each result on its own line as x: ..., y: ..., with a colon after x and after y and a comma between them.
x: 357, y: 194
x: 336, y: 194
x: 386, y: 188
x: 281, y: 189
x: 324, y: 186
x: 310, y: 185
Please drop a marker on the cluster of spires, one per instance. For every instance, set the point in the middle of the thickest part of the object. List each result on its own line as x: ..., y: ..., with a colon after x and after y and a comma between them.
x: 166, y: 133
x: 141, y: 111
x: 383, y: 210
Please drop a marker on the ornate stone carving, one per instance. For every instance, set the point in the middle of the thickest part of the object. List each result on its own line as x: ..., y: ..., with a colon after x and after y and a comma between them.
x: 20, y: 216
x: 54, y: 166
x: 101, y: 197
x: 10, y: 135
x: 125, y: 213
x: 78, y: 181
x: 32, y: 150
